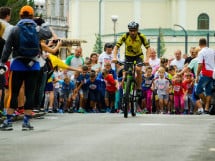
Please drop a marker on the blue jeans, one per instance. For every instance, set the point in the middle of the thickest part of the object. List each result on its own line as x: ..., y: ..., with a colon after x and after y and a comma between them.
x: 205, y: 84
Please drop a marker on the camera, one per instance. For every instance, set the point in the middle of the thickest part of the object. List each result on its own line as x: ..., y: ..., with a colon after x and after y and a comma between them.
x: 55, y: 41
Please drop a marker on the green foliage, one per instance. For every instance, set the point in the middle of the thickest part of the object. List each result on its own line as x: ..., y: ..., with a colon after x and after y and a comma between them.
x: 161, y: 49
x: 15, y: 6
x: 162, y: 45
x: 98, y: 45
x: 3, y: 2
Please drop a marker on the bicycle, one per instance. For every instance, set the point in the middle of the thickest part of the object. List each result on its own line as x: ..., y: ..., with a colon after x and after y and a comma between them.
x: 130, y: 99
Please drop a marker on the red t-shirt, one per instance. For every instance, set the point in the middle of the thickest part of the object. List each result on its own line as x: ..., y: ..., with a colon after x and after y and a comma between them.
x: 188, y: 85
x: 178, y: 88
x: 110, y: 83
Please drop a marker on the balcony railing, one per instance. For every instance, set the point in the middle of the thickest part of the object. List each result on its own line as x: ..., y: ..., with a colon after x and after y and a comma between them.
x: 57, y: 21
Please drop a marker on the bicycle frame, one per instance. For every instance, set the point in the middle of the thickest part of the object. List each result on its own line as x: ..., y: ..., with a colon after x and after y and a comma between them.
x: 129, y: 87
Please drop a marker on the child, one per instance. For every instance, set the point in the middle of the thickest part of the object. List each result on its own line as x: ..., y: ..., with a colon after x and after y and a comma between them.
x: 82, y: 88
x: 66, y: 88
x: 93, y: 95
x: 110, y: 89
x: 179, y: 89
x: 188, y: 83
x: 161, y: 84
x: 171, y: 74
x: 74, y: 99
x: 146, y: 88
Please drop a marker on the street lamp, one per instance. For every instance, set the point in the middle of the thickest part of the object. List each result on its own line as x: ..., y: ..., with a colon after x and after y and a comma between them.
x: 186, y: 36
x: 114, y: 19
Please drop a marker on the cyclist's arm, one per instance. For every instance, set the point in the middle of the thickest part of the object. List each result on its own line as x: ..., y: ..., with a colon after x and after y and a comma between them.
x: 115, y: 51
x: 117, y: 46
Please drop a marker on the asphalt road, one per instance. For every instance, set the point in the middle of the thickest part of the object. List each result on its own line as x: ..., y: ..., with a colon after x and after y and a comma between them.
x: 110, y: 137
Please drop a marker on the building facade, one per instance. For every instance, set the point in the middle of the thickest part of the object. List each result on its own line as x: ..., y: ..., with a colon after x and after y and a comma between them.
x: 83, y: 19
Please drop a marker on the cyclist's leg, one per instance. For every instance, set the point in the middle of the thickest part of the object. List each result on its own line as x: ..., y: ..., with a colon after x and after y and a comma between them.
x: 139, y: 59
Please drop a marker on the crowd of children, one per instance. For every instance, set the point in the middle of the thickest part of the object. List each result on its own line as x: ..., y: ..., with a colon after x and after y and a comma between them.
x: 165, y: 90
x: 98, y: 88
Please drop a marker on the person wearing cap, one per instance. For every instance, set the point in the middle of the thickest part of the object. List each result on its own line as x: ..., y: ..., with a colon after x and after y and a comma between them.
x: 20, y: 72
x: 133, y: 41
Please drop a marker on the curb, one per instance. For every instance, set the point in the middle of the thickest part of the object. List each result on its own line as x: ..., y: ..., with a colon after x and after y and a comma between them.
x: 20, y: 117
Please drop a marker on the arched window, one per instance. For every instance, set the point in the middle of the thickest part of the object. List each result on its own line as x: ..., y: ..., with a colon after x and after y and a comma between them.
x: 203, y: 22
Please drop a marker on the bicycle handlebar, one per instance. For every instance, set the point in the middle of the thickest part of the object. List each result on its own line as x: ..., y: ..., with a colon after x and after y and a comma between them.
x: 140, y: 64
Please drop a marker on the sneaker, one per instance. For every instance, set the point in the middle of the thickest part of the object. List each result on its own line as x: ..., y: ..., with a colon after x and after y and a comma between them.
x: 42, y: 110
x: 206, y: 112
x: 20, y: 110
x: 50, y: 111
x: 70, y: 110
x: 60, y: 110
x: 81, y: 110
x: 108, y: 110
x: 26, y: 127
x: 199, y: 113
x: 185, y: 112
x: 6, y: 127
x: 36, y: 110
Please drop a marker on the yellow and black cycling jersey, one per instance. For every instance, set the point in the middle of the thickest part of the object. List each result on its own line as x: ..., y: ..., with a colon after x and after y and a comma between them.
x: 133, y: 47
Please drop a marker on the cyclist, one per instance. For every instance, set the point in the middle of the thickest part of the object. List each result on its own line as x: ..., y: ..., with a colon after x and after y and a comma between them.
x: 133, y: 52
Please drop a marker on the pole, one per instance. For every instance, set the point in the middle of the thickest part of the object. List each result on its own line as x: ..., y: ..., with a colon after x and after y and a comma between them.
x: 114, y: 30
x: 185, y: 35
x: 114, y: 19
x: 208, y: 38
x: 159, y: 43
x: 100, y: 42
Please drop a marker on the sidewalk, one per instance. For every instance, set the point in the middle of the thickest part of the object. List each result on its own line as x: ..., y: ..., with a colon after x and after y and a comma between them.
x: 20, y: 117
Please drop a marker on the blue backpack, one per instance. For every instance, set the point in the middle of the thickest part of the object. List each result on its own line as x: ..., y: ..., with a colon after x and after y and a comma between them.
x: 29, y: 45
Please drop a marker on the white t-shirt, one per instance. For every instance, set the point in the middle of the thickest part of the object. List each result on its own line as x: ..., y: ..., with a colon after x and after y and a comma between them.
x: 8, y: 28
x: 155, y: 63
x: 207, y: 57
x: 106, y: 58
x: 178, y: 63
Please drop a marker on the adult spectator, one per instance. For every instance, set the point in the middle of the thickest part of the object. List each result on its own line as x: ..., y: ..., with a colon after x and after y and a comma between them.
x: 178, y: 61
x: 94, y: 62
x: 107, y: 56
x: 193, y: 54
x: 154, y: 61
x: 5, y: 15
x: 206, y: 61
x: 193, y: 64
x: 2, y: 73
x: 23, y: 70
x: 75, y: 60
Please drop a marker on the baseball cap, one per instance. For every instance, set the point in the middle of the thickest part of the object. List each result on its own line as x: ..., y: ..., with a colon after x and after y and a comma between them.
x: 28, y: 9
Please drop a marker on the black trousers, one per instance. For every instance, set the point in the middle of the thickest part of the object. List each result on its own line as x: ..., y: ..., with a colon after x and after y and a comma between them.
x: 16, y: 79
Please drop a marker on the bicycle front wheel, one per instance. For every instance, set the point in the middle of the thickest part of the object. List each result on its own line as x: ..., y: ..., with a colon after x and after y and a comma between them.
x: 127, y: 97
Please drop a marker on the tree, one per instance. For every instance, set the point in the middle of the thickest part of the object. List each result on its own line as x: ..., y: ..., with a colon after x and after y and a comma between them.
x: 98, y: 45
x: 161, y: 44
x: 3, y: 2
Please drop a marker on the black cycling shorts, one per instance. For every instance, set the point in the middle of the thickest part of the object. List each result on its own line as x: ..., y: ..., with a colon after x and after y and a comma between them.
x: 138, y: 59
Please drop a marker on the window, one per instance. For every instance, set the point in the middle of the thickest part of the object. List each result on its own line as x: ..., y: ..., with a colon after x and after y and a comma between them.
x: 203, y: 22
